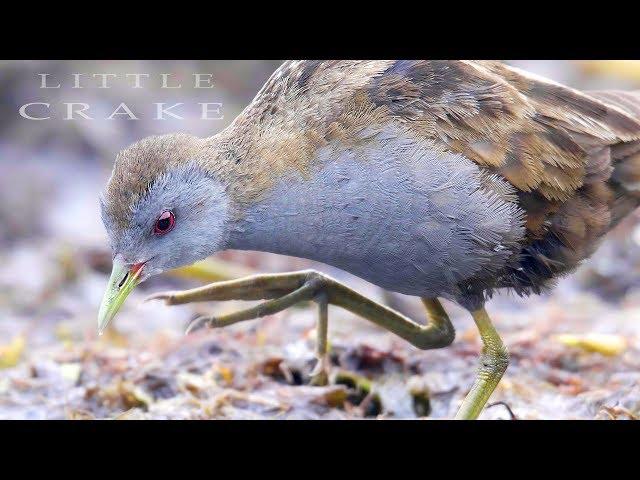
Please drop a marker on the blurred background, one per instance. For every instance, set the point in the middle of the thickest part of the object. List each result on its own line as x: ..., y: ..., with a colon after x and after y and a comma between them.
x: 575, y: 351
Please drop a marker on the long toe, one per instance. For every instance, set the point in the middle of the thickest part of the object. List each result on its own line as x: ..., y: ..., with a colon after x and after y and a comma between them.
x: 197, y: 324
x: 166, y: 296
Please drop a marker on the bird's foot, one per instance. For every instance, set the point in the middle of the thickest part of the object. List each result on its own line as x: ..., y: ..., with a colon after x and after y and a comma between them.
x: 320, y: 373
x: 201, y: 322
x: 168, y: 297
x: 281, y: 291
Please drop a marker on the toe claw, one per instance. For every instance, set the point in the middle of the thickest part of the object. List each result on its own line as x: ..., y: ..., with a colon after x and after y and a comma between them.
x: 197, y: 324
x: 166, y: 296
x: 318, y: 368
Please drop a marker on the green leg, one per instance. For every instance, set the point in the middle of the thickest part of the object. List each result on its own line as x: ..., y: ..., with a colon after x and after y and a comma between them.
x: 284, y: 290
x: 320, y: 374
x: 255, y: 287
x: 439, y: 322
x: 305, y: 292
x: 287, y: 289
x: 438, y: 332
x: 493, y: 363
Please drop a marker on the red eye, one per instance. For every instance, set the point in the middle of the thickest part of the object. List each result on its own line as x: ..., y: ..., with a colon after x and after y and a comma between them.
x: 165, y: 223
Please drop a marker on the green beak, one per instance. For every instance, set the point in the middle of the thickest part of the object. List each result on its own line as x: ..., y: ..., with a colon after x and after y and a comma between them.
x: 122, y: 281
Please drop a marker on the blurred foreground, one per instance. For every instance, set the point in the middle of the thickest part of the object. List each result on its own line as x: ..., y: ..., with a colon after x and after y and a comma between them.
x: 575, y: 352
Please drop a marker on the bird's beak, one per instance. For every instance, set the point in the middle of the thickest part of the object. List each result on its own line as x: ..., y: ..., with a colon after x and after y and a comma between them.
x: 124, y: 279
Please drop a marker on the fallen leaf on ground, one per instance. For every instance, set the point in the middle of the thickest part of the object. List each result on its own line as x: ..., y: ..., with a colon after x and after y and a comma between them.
x: 10, y: 354
x: 595, y: 342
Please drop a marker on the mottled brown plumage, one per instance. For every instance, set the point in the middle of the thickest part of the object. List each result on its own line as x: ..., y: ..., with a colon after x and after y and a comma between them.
x: 429, y: 178
x: 573, y: 158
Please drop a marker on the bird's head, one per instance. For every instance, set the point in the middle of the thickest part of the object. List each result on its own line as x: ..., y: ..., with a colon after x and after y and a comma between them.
x: 162, y: 208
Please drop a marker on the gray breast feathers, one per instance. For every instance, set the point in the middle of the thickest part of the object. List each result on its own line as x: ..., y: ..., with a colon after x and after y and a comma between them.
x: 395, y: 211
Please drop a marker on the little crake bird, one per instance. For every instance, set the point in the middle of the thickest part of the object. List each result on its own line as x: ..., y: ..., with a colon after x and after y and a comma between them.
x: 435, y: 179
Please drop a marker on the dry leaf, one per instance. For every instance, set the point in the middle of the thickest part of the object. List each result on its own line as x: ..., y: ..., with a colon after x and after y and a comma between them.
x: 10, y: 354
x: 595, y: 342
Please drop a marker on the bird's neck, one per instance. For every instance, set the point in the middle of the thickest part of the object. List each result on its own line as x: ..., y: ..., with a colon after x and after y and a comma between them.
x: 254, y: 155
x: 269, y: 224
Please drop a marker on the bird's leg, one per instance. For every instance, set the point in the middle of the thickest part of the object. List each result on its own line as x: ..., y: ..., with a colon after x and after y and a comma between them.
x: 320, y: 373
x: 493, y: 363
x: 286, y: 289
x: 438, y: 318
x: 438, y: 332
x: 269, y: 307
x: 255, y: 287
x: 282, y: 290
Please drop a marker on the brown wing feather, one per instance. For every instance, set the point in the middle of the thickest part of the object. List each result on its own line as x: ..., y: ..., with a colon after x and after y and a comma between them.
x: 569, y: 155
